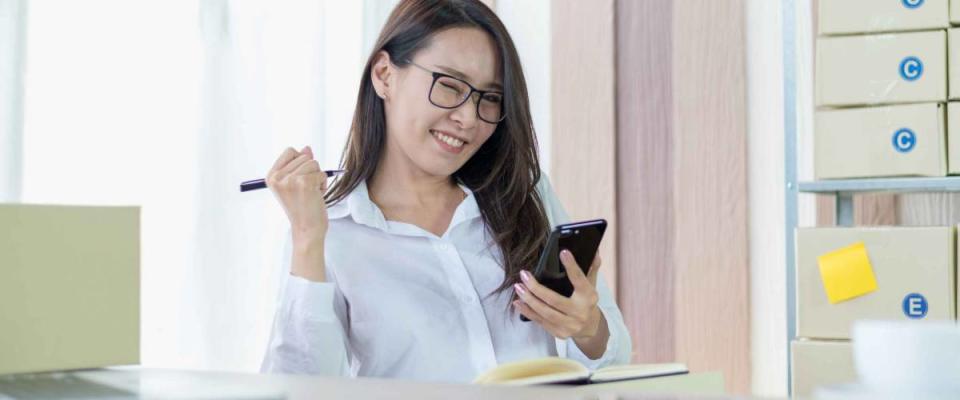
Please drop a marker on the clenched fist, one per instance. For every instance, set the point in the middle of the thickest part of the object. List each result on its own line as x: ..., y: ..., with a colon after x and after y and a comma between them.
x: 299, y: 184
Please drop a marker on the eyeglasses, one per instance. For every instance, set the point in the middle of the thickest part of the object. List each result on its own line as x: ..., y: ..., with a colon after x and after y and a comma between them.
x: 449, y: 92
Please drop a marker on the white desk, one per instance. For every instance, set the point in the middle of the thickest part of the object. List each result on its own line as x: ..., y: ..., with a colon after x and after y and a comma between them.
x: 177, y: 384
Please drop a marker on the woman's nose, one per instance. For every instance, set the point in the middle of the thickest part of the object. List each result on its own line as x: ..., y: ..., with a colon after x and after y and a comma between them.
x: 466, y: 114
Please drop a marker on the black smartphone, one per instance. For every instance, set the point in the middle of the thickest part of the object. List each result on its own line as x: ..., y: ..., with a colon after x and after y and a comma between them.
x: 582, y: 239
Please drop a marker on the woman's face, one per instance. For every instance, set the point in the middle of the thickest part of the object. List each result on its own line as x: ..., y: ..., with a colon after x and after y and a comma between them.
x: 436, y: 140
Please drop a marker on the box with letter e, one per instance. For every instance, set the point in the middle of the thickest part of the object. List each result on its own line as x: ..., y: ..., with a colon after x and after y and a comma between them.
x: 891, y: 273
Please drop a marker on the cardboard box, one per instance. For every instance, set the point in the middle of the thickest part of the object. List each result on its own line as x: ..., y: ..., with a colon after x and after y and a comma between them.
x: 69, y: 287
x: 882, y: 69
x: 913, y: 267
x: 902, y: 140
x: 864, y: 16
x: 953, y: 138
x: 820, y: 363
x: 955, y: 12
x: 953, y: 58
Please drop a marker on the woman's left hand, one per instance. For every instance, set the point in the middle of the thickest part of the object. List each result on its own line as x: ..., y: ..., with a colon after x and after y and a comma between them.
x: 577, y: 316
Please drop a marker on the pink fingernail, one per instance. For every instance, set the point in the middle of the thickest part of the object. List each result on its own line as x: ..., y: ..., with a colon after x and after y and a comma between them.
x: 525, y: 276
x: 519, y: 288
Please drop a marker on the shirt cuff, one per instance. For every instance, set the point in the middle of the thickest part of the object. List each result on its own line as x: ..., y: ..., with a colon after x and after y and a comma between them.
x: 609, y: 355
x: 309, y: 299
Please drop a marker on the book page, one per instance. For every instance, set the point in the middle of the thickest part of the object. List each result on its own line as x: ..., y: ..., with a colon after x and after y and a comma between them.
x: 637, y: 371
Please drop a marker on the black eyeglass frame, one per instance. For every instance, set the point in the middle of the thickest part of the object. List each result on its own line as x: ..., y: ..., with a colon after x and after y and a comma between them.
x: 437, y: 75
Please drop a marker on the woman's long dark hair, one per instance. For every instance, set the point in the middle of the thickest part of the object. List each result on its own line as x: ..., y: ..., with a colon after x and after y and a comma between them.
x: 504, y: 171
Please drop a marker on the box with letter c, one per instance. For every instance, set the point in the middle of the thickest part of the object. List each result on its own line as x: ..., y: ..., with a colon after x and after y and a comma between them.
x: 901, y: 140
x: 895, y: 68
x: 866, y: 16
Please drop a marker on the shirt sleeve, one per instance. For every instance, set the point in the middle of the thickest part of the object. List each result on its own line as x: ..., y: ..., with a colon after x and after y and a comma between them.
x: 619, y: 346
x: 308, y: 335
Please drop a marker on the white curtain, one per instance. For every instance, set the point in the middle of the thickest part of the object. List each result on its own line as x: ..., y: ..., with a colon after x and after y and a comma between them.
x: 170, y: 105
x: 528, y: 22
x: 12, y: 17
x: 111, y: 117
x: 262, y: 90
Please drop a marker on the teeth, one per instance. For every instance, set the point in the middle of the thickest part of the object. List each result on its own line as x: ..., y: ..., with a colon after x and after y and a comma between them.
x: 448, y: 140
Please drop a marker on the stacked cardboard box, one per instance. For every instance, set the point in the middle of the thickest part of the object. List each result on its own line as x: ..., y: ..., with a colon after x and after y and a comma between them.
x: 881, y: 89
x: 913, y: 269
x: 887, y: 73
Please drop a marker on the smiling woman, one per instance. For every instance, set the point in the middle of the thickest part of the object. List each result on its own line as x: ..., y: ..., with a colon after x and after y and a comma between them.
x: 415, y: 263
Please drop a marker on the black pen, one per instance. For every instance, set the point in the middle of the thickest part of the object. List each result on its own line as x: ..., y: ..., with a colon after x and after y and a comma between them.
x: 262, y: 183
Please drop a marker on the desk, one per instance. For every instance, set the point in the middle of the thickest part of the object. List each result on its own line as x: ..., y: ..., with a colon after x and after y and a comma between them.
x: 178, y: 384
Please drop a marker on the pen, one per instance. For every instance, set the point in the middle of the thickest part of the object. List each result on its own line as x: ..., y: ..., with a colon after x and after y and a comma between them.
x: 262, y: 183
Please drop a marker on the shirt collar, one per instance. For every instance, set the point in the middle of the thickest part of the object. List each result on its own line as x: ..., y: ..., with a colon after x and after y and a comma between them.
x: 362, y: 210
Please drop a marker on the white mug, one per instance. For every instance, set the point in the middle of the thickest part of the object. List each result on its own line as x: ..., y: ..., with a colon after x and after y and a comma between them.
x: 907, y: 354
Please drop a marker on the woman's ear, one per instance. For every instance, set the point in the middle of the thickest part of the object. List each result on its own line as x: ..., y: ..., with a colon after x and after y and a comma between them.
x: 382, y: 74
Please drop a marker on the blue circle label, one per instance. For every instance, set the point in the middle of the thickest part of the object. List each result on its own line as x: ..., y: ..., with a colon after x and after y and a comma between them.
x: 915, y: 306
x: 911, y: 68
x: 912, y: 3
x: 904, y: 140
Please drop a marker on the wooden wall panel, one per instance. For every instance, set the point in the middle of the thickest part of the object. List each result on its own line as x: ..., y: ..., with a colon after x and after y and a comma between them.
x: 925, y: 209
x: 583, y: 139
x: 679, y: 172
x: 644, y: 178
x: 875, y: 209
x: 684, y: 268
x: 712, y: 266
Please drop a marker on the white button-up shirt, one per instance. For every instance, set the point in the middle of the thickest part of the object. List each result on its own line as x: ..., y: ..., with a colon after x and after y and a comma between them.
x: 402, y: 302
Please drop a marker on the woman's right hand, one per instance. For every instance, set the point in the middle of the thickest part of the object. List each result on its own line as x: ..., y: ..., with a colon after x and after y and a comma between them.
x: 299, y: 184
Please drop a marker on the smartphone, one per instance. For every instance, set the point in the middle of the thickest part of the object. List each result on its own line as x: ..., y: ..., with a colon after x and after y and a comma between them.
x: 582, y: 239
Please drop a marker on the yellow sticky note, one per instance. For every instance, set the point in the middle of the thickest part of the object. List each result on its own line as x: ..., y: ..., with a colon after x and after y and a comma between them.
x: 847, y: 273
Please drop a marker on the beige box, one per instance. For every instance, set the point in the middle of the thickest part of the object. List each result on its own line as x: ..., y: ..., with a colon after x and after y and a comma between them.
x: 69, y: 287
x: 953, y: 58
x: 820, y: 363
x: 914, y: 270
x: 882, y: 69
x: 953, y: 138
x: 863, y: 16
x: 901, y: 140
x: 955, y: 12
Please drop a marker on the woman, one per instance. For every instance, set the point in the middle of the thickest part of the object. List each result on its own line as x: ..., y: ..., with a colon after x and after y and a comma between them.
x: 415, y: 263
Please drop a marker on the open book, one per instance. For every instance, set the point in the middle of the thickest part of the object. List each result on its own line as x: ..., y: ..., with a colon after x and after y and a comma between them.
x: 556, y: 370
